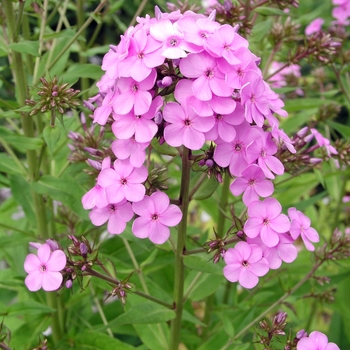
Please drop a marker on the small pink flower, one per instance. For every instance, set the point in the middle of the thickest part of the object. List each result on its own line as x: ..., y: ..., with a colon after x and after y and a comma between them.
x: 301, y: 226
x: 156, y: 214
x: 43, y: 269
x: 315, y: 26
x: 316, y: 341
x: 245, y: 264
x: 266, y: 220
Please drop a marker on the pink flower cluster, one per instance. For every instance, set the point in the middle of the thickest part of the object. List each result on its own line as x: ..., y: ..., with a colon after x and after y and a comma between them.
x: 316, y: 341
x: 219, y: 96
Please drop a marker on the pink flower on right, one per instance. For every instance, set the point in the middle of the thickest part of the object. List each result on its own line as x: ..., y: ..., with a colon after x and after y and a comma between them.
x: 316, y: 341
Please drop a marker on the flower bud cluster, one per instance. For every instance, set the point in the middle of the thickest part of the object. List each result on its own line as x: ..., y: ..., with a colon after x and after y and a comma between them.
x: 54, y: 96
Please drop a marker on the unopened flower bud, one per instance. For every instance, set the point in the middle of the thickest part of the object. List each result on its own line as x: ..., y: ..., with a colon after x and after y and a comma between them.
x: 209, y: 163
x: 83, y: 249
x: 69, y: 284
x: 301, y: 334
x: 158, y: 119
x: 53, y: 244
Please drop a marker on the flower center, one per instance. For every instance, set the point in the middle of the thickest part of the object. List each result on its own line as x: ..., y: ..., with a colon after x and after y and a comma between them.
x: 140, y: 55
x: 187, y: 122
x: 134, y: 88
x: 209, y: 73
x: 251, y: 182
x: 42, y: 268
x: 203, y: 35
x: 252, y: 98
x: 155, y: 217
x: 238, y: 146
x: 219, y: 117
x: 266, y: 222
x: 173, y: 42
x: 245, y: 263
x: 263, y: 153
x: 123, y: 181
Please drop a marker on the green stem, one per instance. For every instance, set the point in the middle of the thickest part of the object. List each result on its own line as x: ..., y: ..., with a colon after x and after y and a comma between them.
x: 114, y: 281
x: 180, y: 248
x: 100, y: 311
x: 222, y: 206
x: 12, y: 228
x: 138, y: 12
x: 78, y: 33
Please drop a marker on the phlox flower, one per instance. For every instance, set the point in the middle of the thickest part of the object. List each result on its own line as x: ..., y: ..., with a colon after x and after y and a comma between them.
x: 283, y: 251
x: 223, y: 43
x: 253, y: 98
x: 234, y: 154
x: 324, y: 142
x: 44, y: 269
x: 117, y: 216
x: 314, y: 26
x: 263, y: 150
x: 265, y: 220
x: 208, y: 78
x: 252, y: 184
x: 123, y: 182
x: 174, y: 44
x: 156, y: 215
x: 316, y: 341
x: 134, y: 94
x: 300, y: 226
x: 186, y: 127
x: 142, y: 126
x: 97, y: 195
x: 131, y: 150
x: 245, y: 264
x: 143, y: 55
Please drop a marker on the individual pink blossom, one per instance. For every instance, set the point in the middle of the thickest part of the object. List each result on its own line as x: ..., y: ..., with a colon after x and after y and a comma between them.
x: 134, y: 94
x: 131, y: 150
x: 253, y: 98
x: 97, y: 195
x: 324, y: 142
x: 44, y: 269
x: 316, y: 341
x: 283, y: 251
x: 143, y: 55
x: 278, y: 80
x: 101, y: 113
x: 156, y: 215
x: 141, y: 126
x: 314, y: 26
x: 265, y: 220
x: 117, y: 216
x: 263, y: 150
x: 123, y: 182
x: 234, y: 154
x: 208, y: 78
x: 245, y: 264
x: 300, y: 226
x: 186, y: 127
x: 174, y: 43
x: 252, y: 184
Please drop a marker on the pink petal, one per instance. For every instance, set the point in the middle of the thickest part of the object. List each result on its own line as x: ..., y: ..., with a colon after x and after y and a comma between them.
x: 244, y: 250
x: 256, y: 254
x: 287, y: 252
x: 260, y: 268
x: 269, y: 237
x: 31, y: 263
x: 280, y: 224
x: 172, y: 216
x: 238, y: 186
x: 247, y: 279
x: 192, y: 138
x: 99, y: 216
x: 161, y: 202
x: 173, y: 134
x: 115, y: 224
x: 232, y: 256
x: 34, y: 280
x: 312, y: 235
x: 52, y: 281
x: 264, y: 188
x: 44, y: 253
x: 250, y: 196
x: 57, y: 261
x: 275, y: 165
x: 158, y: 233
x: 232, y: 272
x: 140, y: 227
x: 253, y: 227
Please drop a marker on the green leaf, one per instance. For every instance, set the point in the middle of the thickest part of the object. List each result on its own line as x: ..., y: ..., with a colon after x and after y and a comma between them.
x: 7, y: 164
x: 23, y: 195
x: 77, y: 71
x: 206, y: 188
x: 270, y: 11
x: 154, y: 336
x: 217, y: 341
x: 88, y: 340
x: 23, y: 143
x: 65, y: 189
x: 27, y: 47
x: 144, y: 313
x: 202, y: 263
x: 164, y: 148
x: 341, y: 128
x: 206, y: 285
x: 29, y: 308
x: 51, y: 136
x: 300, y: 104
x: 150, y: 258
